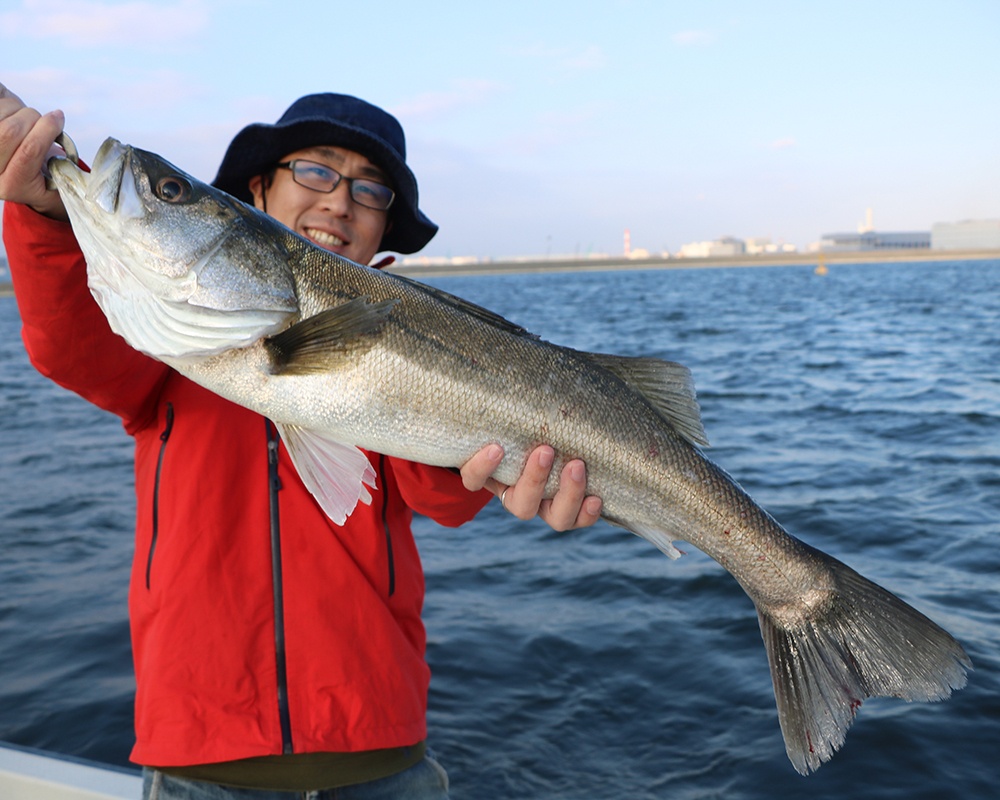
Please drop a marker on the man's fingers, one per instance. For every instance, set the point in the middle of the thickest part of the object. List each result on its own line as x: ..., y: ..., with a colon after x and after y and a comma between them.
x: 26, y: 142
x: 525, y: 497
x: 571, y: 507
x: 477, y: 470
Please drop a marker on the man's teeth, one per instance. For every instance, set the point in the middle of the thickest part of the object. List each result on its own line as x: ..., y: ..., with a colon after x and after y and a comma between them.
x: 322, y: 237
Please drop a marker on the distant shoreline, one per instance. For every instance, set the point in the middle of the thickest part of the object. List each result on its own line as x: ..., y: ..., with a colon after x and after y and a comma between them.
x: 510, y: 266
x: 513, y: 266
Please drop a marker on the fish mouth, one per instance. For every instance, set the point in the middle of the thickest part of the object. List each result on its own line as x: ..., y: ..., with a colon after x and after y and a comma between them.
x: 111, y: 163
x: 111, y: 150
x: 103, y: 183
x: 63, y: 174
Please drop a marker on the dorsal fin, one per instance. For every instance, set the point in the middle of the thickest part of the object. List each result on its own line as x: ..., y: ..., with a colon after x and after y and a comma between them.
x: 668, y: 386
x: 465, y: 307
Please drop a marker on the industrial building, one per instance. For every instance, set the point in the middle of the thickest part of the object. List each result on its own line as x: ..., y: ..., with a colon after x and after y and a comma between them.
x: 875, y: 240
x: 726, y: 246
x: 982, y: 234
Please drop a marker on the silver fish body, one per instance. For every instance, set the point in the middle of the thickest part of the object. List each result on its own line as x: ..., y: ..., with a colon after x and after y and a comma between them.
x: 344, y: 356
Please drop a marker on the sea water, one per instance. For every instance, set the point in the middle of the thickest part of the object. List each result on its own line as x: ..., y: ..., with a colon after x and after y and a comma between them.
x: 861, y: 408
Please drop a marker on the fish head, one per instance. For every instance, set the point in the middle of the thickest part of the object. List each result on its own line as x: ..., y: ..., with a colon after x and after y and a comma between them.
x: 178, y: 267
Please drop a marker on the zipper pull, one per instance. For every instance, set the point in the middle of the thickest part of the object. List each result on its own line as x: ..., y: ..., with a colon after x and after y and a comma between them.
x: 168, y: 426
x: 272, y: 457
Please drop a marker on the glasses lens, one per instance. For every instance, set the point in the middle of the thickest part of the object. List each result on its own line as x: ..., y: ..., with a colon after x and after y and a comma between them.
x: 371, y: 194
x: 315, y: 176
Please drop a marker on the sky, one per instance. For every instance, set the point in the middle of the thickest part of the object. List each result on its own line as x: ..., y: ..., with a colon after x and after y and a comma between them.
x: 550, y: 126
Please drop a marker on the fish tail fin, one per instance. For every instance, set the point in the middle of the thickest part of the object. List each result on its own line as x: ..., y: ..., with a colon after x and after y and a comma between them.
x: 863, y: 642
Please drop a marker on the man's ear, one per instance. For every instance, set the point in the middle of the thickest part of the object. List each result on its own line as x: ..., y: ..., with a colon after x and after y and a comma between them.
x: 256, y: 186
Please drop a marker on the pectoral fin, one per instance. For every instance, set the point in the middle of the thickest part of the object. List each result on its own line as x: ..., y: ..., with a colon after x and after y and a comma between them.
x: 666, y: 385
x: 321, y: 342
x: 336, y: 474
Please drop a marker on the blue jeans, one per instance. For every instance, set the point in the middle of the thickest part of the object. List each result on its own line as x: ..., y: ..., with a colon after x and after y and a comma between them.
x: 425, y: 780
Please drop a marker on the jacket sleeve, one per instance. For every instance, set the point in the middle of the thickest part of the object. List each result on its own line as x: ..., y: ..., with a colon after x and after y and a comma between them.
x: 437, y: 492
x: 67, y: 337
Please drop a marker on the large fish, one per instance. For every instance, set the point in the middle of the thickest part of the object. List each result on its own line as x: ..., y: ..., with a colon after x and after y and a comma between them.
x: 342, y: 356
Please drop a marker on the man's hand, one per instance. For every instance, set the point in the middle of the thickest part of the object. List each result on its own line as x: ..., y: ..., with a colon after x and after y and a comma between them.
x: 27, y: 141
x: 570, y: 508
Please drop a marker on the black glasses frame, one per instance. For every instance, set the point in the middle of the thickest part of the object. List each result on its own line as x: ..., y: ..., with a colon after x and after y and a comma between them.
x: 359, y: 198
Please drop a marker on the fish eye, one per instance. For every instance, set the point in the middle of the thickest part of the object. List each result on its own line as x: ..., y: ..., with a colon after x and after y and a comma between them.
x: 173, y: 189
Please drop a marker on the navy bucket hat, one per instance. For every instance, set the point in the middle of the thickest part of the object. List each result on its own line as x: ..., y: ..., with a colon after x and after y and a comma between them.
x: 337, y: 120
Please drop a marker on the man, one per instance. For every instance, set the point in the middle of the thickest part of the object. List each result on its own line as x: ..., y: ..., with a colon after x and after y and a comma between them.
x: 276, y: 653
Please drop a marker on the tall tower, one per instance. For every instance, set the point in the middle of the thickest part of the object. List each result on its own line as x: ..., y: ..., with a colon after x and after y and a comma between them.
x: 868, y: 225
x: 628, y: 243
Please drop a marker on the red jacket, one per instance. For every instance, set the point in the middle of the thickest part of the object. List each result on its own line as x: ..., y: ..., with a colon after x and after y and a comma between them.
x: 217, y: 677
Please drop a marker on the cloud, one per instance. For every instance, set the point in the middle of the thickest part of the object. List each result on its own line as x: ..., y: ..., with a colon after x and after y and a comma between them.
x: 142, y: 110
x: 91, y: 23
x: 550, y: 132
x: 785, y: 143
x: 140, y: 90
x: 47, y: 88
x: 567, y: 59
x: 591, y: 57
x: 42, y: 82
x: 693, y: 38
x: 463, y: 94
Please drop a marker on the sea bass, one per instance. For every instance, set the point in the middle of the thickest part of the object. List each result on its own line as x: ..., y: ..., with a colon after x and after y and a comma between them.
x: 342, y: 356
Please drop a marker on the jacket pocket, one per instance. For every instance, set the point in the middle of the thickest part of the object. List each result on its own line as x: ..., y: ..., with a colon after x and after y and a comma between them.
x: 164, y: 438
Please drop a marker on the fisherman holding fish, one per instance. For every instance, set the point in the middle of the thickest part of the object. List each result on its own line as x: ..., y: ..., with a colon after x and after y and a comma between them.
x: 333, y: 356
x: 276, y: 652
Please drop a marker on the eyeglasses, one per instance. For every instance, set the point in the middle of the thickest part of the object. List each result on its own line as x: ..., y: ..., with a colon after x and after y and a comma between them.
x: 321, y: 178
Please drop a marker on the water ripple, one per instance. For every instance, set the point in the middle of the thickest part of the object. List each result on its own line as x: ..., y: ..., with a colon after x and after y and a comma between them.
x: 862, y: 409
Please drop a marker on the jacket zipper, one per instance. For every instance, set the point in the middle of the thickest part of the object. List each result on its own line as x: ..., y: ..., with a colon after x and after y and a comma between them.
x: 164, y: 436
x: 274, y: 486
x: 385, y: 525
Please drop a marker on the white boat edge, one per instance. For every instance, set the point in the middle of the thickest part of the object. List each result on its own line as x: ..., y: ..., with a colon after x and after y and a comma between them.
x: 29, y: 774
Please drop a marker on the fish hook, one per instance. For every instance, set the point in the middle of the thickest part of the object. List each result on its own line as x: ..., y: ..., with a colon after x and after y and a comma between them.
x: 69, y: 146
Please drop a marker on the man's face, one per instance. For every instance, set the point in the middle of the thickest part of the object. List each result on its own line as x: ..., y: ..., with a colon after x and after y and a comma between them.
x: 332, y: 220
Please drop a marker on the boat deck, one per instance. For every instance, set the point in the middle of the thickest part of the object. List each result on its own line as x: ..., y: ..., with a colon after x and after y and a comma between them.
x: 27, y: 774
